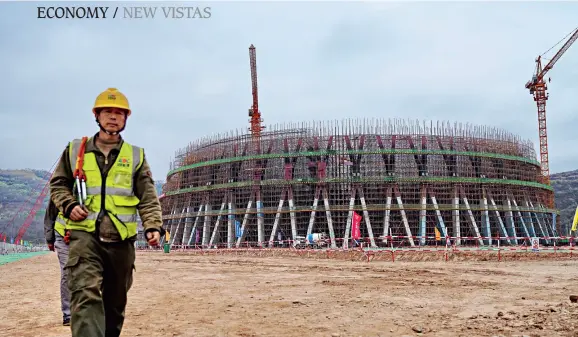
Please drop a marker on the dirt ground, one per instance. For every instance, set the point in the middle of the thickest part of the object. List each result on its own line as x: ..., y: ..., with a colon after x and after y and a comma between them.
x: 181, y: 294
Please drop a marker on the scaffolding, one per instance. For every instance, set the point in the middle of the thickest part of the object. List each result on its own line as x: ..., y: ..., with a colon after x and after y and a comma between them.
x: 410, y: 182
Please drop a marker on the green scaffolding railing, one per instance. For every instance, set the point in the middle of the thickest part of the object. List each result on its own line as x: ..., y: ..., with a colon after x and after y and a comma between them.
x: 281, y: 182
x: 353, y: 152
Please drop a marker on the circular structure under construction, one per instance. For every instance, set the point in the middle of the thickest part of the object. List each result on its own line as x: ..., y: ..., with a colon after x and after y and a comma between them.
x: 341, y: 184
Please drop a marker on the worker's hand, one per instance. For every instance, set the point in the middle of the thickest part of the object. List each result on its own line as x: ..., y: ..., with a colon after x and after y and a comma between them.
x: 51, y: 247
x: 78, y: 213
x: 153, y: 238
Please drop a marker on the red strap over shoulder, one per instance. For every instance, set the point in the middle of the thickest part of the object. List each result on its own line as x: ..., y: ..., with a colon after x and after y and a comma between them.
x: 79, y: 172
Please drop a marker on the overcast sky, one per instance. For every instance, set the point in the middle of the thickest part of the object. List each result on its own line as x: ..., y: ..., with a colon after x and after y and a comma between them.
x: 185, y: 79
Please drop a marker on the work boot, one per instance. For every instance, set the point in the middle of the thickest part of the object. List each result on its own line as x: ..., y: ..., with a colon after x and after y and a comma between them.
x: 66, y: 321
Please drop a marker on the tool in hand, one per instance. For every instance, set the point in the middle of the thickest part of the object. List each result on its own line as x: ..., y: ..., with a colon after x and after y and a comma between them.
x: 79, y: 175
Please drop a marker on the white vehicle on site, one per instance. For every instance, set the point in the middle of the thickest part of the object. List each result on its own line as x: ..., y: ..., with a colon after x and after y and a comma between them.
x: 313, y: 240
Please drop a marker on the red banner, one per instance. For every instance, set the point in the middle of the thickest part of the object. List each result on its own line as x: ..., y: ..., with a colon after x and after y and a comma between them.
x: 355, y: 226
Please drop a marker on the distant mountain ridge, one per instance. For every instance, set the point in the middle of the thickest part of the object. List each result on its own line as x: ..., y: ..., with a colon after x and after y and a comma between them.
x: 565, y: 186
x: 19, y: 190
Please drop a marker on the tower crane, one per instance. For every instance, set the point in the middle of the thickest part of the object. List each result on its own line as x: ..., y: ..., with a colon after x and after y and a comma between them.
x: 254, y: 112
x: 538, y: 87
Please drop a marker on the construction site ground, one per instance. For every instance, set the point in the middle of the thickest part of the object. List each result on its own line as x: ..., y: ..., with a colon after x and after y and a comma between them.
x: 250, y: 293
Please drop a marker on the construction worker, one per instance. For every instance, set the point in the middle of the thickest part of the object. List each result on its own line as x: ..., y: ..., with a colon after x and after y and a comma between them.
x: 54, y: 235
x: 98, y: 186
x: 167, y: 244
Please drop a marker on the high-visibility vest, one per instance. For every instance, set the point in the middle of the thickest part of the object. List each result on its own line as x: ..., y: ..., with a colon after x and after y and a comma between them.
x: 115, y: 194
x: 167, y: 237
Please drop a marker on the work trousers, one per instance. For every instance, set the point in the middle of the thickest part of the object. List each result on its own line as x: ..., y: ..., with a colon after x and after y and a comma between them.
x: 99, y: 278
x: 62, y: 253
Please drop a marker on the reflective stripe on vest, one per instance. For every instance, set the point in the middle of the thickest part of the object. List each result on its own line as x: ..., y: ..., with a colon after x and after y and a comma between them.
x: 119, y: 199
x: 60, y: 225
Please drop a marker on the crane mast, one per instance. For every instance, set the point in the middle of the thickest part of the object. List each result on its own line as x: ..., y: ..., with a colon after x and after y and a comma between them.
x: 254, y: 112
x: 538, y: 87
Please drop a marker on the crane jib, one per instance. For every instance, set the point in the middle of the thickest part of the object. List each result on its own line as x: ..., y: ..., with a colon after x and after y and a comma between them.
x: 559, y: 54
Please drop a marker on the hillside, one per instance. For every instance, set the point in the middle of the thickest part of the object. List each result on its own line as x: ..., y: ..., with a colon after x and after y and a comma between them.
x: 18, y: 188
x: 566, y: 190
x: 18, y: 192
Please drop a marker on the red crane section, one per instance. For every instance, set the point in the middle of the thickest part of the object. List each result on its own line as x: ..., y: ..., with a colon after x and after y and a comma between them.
x: 32, y: 214
x: 254, y: 112
x: 538, y: 87
x: 4, y: 232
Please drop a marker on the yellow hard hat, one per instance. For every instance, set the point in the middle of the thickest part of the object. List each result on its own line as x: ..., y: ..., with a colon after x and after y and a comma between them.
x: 111, y: 98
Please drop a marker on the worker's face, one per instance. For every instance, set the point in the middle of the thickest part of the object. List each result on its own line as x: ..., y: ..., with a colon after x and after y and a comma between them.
x: 112, y: 119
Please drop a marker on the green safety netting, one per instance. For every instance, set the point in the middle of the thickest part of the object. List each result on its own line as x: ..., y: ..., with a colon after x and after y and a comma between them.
x: 4, y: 259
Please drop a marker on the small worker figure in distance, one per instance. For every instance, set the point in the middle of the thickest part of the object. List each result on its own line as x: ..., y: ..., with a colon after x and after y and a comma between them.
x: 167, y: 244
x: 101, y: 221
x: 54, y: 235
